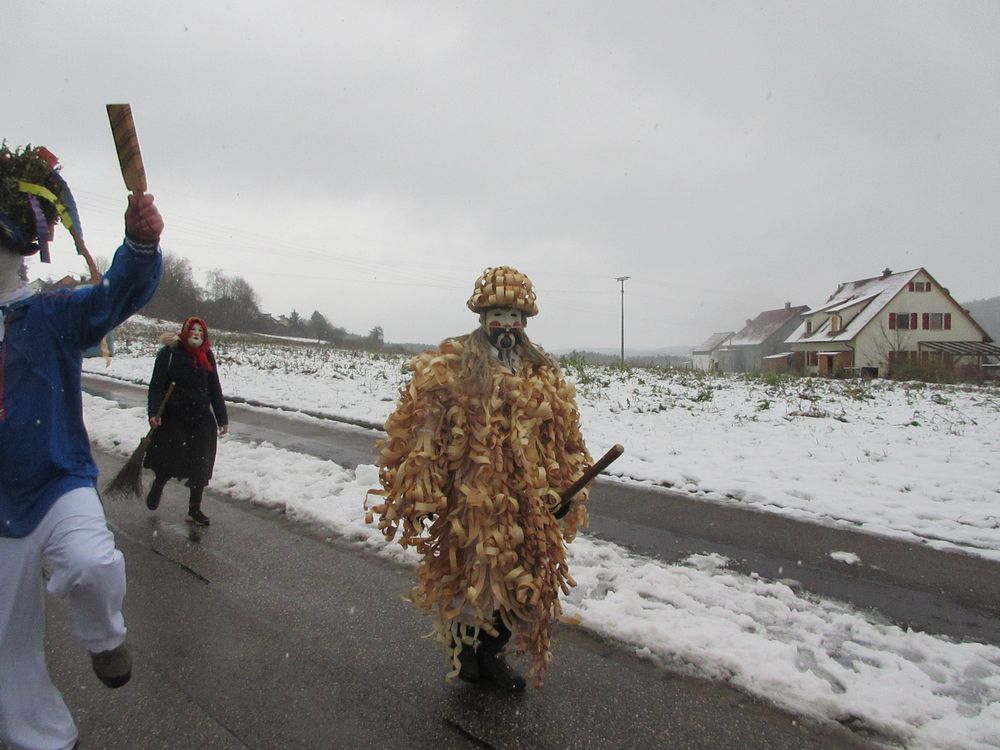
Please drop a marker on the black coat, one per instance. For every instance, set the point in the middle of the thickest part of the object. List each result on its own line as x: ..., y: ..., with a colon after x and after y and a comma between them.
x: 184, y: 444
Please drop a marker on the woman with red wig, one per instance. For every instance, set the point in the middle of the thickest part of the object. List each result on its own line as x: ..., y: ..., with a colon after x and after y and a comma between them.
x: 184, y: 441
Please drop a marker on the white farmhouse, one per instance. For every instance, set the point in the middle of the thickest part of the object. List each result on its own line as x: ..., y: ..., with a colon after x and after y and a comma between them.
x: 751, y: 348
x: 706, y: 356
x: 874, y: 326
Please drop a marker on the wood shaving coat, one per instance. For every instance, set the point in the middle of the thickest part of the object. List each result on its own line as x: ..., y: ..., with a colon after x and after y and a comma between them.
x: 487, y: 470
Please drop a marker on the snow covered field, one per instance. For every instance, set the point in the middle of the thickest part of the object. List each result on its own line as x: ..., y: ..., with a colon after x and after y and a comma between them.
x: 903, y: 460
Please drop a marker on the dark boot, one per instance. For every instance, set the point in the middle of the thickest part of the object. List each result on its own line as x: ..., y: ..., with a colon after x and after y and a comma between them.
x: 195, y: 515
x: 492, y: 664
x: 469, y: 670
x: 155, y: 493
x: 114, y: 667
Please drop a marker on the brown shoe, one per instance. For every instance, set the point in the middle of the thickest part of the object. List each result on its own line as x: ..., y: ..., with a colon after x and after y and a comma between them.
x: 114, y: 667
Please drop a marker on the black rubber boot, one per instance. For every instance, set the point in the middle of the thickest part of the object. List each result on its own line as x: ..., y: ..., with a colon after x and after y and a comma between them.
x: 469, y: 669
x: 155, y: 493
x: 195, y: 515
x: 492, y: 665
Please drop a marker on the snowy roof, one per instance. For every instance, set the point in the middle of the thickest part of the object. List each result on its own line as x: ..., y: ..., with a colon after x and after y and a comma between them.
x: 765, y: 325
x: 872, y: 294
x: 712, y: 343
x: 838, y: 306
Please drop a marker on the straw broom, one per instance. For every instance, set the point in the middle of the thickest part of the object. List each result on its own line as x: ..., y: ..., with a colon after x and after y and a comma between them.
x: 128, y: 482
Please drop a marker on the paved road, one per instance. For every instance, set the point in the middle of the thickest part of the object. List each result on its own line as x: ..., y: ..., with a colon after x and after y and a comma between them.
x: 915, y: 586
x: 262, y: 633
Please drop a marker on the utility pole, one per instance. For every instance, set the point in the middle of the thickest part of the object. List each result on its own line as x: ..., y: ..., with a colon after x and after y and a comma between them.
x: 622, y: 280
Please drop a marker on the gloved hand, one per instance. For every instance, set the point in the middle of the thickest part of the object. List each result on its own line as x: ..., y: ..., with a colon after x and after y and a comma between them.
x: 562, y: 509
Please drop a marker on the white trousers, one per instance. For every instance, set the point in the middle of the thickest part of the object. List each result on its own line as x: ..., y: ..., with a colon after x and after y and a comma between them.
x: 84, y: 567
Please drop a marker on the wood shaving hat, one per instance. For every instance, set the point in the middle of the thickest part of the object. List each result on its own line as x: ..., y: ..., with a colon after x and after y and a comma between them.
x: 503, y: 286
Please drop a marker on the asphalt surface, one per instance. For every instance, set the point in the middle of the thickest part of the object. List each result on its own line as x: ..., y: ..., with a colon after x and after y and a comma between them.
x: 259, y: 632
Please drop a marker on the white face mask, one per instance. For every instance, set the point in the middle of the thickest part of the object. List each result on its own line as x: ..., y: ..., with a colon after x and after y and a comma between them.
x: 196, y: 336
x: 503, y: 326
x: 10, y: 272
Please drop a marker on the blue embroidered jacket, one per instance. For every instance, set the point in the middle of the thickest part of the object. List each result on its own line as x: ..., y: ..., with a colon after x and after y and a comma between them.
x: 44, y: 448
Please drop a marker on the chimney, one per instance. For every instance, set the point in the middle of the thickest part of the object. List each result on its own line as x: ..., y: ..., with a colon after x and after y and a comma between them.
x: 886, y: 272
x: 788, y: 305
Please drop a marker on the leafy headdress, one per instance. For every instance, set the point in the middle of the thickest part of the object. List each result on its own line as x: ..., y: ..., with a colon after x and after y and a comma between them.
x: 34, y: 195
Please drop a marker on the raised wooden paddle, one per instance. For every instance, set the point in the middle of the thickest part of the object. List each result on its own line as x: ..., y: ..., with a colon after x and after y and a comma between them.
x: 127, y: 144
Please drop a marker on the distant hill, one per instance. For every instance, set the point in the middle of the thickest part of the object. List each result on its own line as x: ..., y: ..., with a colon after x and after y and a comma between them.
x: 987, y: 314
x: 663, y: 351
x: 671, y: 356
x: 411, y: 348
x: 674, y: 356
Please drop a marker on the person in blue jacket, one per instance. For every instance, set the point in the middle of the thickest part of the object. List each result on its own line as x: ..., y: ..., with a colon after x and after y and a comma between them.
x: 49, y: 506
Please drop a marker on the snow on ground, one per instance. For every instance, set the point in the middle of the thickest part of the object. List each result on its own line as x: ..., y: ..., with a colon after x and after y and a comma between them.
x: 905, y: 460
x: 901, y: 460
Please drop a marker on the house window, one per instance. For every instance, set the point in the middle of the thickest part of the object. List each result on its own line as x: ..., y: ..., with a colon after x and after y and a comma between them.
x: 937, y: 321
x: 812, y: 359
x: 902, y: 321
x: 920, y: 286
x: 835, y: 324
x: 809, y: 325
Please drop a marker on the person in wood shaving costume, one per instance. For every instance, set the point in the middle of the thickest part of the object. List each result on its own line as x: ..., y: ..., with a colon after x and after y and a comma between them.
x: 49, y: 507
x: 484, y: 437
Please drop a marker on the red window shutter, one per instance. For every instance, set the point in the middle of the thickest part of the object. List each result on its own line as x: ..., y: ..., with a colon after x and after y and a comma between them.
x: 910, y: 286
x: 927, y: 321
x: 947, y: 321
x: 913, y: 321
x: 892, y: 321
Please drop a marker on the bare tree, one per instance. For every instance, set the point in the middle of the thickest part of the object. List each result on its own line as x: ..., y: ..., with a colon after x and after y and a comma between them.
x: 232, y: 302
x: 319, y: 327
x: 888, y: 347
x: 178, y: 295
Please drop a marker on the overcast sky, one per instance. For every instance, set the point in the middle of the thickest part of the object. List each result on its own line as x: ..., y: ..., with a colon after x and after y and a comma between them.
x: 369, y: 160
